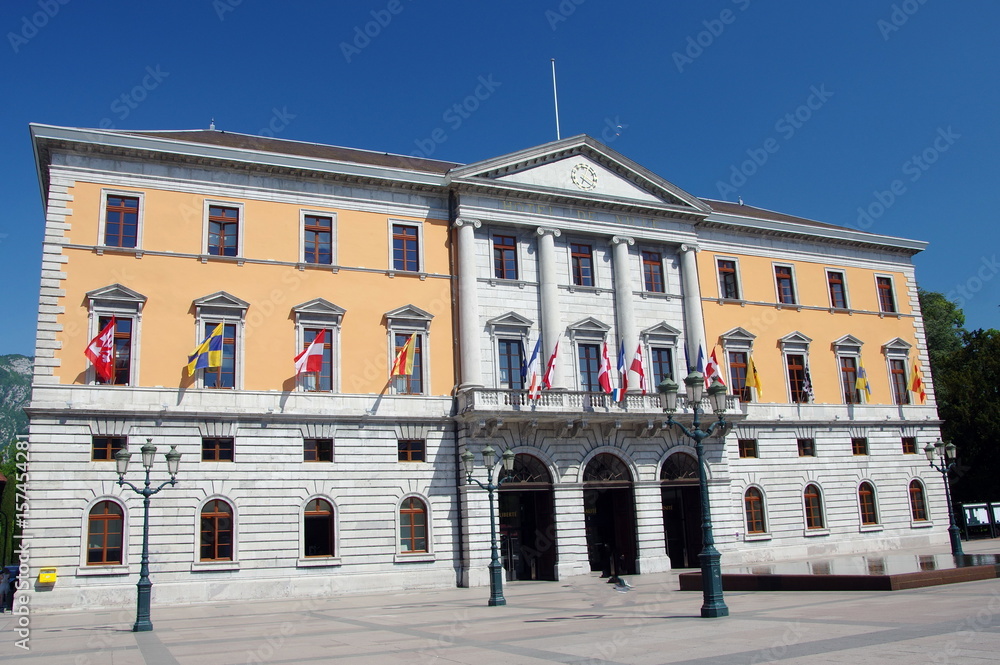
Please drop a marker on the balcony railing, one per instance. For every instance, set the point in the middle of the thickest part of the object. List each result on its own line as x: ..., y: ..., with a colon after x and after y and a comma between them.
x: 570, y: 401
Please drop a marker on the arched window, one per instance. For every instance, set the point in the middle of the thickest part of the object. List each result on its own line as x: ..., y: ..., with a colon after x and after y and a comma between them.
x: 217, y: 531
x: 104, y: 534
x: 317, y: 528
x: 680, y: 468
x: 814, y: 507
x: 413, y: 525
x: 866, y: 500
x: 918, y: 503
x: 753, y: 501
x: 606, y: 468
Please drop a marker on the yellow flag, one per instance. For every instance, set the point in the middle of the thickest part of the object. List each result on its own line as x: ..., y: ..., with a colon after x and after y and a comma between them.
x: 753, y: 378
x: 403, y: 365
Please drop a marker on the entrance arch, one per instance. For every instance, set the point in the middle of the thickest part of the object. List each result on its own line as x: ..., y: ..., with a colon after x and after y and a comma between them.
x: 681, y: 498
x: 609, y: 512
x: 527, y: 520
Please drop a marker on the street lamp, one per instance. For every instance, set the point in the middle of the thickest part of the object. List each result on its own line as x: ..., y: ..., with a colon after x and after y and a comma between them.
x: 142, y: 622
x: 489, y: 461
x: 945, y: 454
x: 694, y: 383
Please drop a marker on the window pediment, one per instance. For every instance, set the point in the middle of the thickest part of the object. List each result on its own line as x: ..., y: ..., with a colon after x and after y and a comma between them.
x: 588, y: 327
x: 319, y: 310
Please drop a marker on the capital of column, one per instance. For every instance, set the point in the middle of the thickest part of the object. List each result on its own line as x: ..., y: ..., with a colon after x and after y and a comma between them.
x: 463, y: 221
x: 689, y: 248
x: 543, y: 230
x: 618, y: 240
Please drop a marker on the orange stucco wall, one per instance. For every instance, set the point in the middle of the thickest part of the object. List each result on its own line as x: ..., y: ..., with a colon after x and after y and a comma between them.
x: 173, y: 223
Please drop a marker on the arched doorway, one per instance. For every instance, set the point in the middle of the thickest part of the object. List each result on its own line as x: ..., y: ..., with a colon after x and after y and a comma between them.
x: 681, y: 510
x: 609, y: 511
x: 527, y: 521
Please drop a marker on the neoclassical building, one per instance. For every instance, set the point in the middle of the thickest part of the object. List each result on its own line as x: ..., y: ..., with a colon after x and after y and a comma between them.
x: 347, y: 479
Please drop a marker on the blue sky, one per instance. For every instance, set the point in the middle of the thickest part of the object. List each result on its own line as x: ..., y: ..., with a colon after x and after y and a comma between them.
x: 874, y: 114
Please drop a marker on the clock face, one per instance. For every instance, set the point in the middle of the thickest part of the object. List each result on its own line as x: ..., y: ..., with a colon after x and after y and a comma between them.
x: 583, y: 176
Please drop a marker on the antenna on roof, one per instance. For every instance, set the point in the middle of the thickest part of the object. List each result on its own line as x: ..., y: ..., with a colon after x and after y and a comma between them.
x: 555, y: 96
x: 740, y: 199
x: 211, y: 125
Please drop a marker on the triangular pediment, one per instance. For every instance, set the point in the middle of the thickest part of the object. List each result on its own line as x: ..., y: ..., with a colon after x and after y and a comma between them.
x: 897, y: 344
x: 795, y: 339
x: 116, y: 293
x: 319, y: 307
x: 510, y: 320
x: 581, y: 167
x: 408, y: 312
x: 221, y: 299
x: 738, y: 334
x: 589, y: 325
x: 848, y: 340
x: 661, y: 329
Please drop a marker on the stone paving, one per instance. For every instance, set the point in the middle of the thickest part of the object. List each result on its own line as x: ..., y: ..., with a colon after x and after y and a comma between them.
x: 582, y: 621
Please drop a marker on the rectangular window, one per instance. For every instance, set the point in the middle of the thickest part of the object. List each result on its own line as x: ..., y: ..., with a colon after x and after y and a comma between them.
x: 412, y: 384
x: 317, y: 239
x: 797, y: 377
x: 590, y: 364
x: 122, y: 368
x: 223, y: 231
x: 886, y: 299
x: 807, y: 447
x: 510, y: 360
x: 217, y: 449
x: 897, y: 374
x: 786, y: 289
x: 504, y: 257
x: 223, y: 376
x: 412, y: 450
x: 909, y: 445
x: 103, y: 448
x: 859, y: 445
x: 583, y: 264
x: 738, y: 375
x: 849, y: 378
x: 748, y: 447
x: 317, y: 450
x: 728, y: 286
x: 121, y: 221
x: 838, y: 294
x: 405, y: 248
x: 652, y: 272
x: 662, y: 360
x: 321, y: 381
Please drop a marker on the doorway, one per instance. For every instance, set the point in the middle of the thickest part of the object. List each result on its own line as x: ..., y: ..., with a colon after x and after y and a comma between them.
x: 527, y: 521
x: 681, y: 498
x: 609, y: 516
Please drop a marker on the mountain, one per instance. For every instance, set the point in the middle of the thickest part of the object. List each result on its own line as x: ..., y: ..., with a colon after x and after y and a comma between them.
x: 15, y: 393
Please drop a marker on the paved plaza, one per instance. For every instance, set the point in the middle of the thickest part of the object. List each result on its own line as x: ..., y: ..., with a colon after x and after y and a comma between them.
x: 581, y: 621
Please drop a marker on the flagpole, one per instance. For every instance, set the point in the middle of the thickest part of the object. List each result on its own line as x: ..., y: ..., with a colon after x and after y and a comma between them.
x: 555, y: 97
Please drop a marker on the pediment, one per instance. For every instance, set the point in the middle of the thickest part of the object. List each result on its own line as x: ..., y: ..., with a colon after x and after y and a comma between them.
x: 661, y: 329
x: 738, y: 334
x: 116, y: 293
x: 848, y: 340
x: 590, y: 326
x: 411, y: 312
x: 795, y: 339
x: 510, y: 320
x: 898, y: 344
x: 581, y: 167
x: 319, y: 307
x: 221, y: 299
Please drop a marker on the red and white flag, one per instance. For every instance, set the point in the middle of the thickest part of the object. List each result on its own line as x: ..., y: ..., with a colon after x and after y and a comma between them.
x: 550, y: 368
x: 101, y: 351
x: 637, y: 368
x: 713, y: 370
x: 604, y: 373
x: 311, y: 360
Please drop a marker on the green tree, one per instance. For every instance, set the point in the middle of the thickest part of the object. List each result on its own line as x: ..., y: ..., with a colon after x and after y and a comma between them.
x: 943, y: 322
x: 8, y: 468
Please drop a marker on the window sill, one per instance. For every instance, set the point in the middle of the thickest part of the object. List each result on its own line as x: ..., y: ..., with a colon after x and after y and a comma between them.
x: 868, y: 528
x: 101, y: 571
x: 752, y: 537
x: 302, y: 265
x: 214, y: 566
x: 809, y: 533
x: 416, y: 557
x: 318, y: 562
x: 238, y: 260
x: 922, y: 524
x: 732, y: 301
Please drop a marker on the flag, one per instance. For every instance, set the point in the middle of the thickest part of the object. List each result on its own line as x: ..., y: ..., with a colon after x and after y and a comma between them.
x: 807, y: 384
x: 637, y: 368
x: 604, y: 373
x: 403, y: 364
x: 619, y: 393
x: 713, y: 370
x: 311, y: 360
x: 100, y: 351
x: 208, y: 353
x: 701, y: 360
x: 550, y: 368
x: 531, y: 372
x: 753, y: 378
x: 862, y: 381
x: 917, y: 383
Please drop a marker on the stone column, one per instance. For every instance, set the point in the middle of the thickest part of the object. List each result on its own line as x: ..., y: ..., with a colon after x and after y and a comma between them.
x: 549, y: 292
x: 694, y: 324
x: 470, y: 333
x: 571, y: 531
x: 623, y: 306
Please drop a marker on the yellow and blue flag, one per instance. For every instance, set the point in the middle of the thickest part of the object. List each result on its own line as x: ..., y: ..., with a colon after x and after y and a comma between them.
x: 208, y: 353
x: 862, y: 381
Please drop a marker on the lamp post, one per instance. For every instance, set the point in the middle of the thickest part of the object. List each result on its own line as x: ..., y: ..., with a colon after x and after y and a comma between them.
x: 142, y: 622
x: 711, y: 575
x: 489, y: 461
x: 945, y: 454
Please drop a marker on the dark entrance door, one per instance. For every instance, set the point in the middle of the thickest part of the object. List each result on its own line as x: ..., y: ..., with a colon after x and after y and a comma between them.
x: 527, y: 521
x: 609, y: 510
x: 681, y: 510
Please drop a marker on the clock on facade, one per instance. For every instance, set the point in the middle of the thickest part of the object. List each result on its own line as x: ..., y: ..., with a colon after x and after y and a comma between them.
x: 583, y: 176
